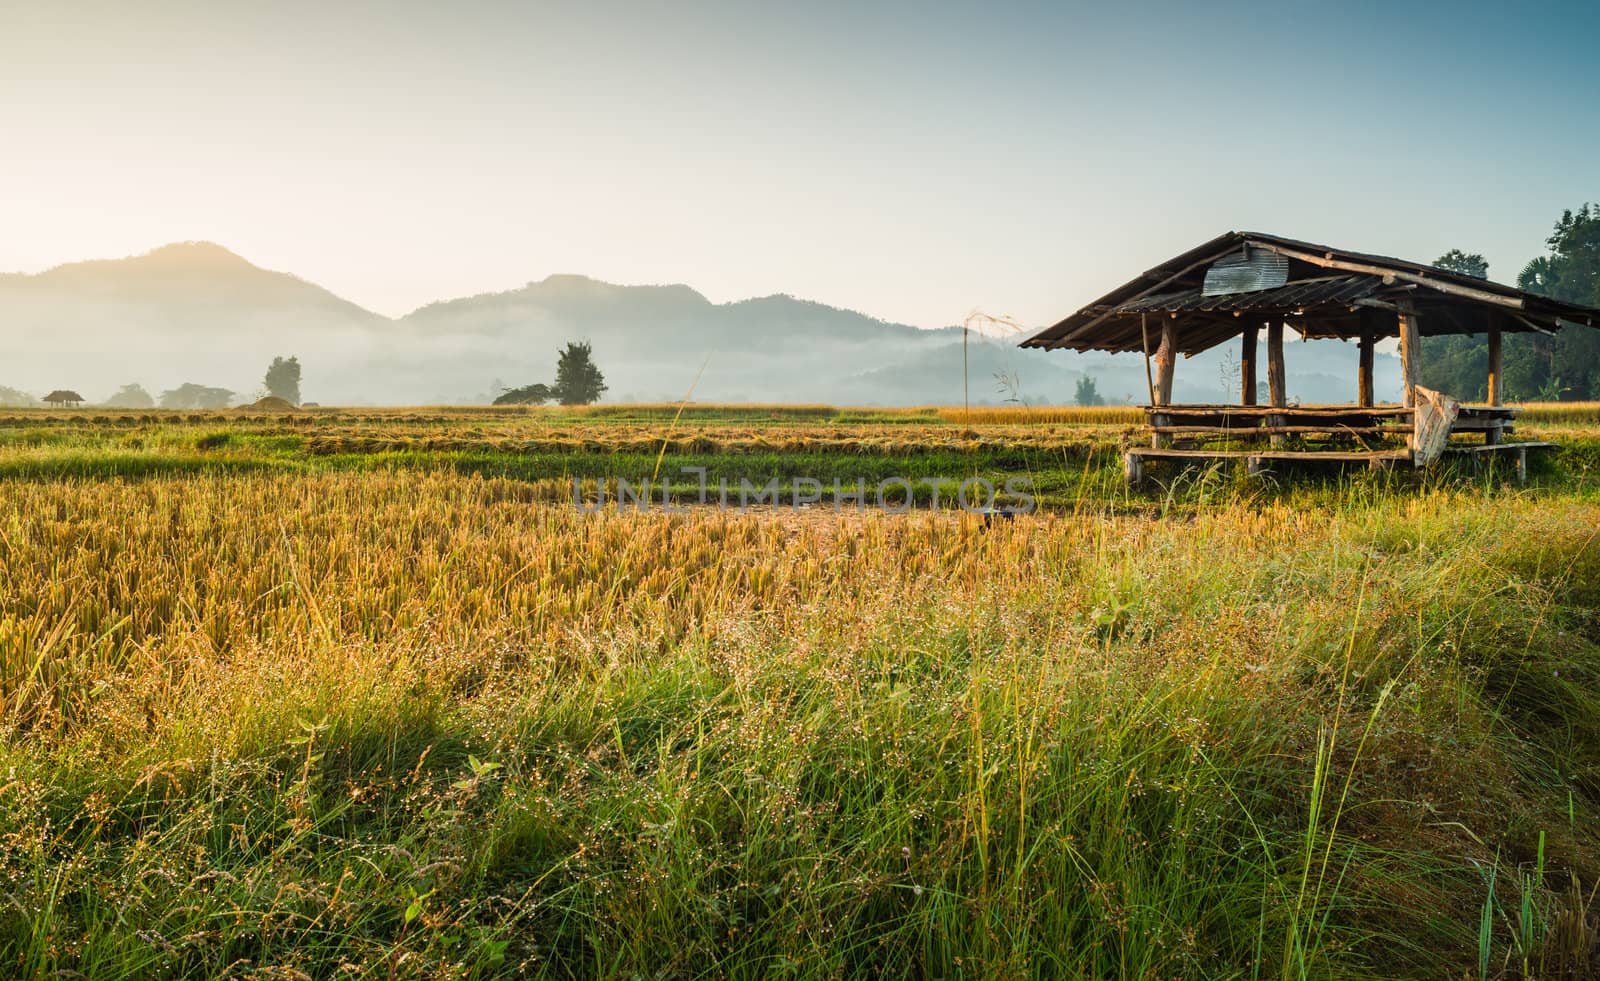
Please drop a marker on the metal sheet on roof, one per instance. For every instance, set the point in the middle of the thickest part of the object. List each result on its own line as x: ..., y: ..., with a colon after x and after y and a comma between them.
x: 1246, y: 272
x: 1287, y: 298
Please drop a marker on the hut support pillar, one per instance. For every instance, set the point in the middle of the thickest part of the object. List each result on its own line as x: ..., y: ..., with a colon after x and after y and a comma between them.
x: 1166, y: 360
x: 1275, y: 375
x: 1364, y: 381
x: 1410, y: 352
x: 1491, y: 436
x: 1275, y: 372
x: 1247, y: 367
x: 1496, y: 370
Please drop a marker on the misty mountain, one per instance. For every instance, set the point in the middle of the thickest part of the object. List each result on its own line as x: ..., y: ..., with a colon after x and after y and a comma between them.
x: 186, y: 312
x: 195, y: 312
x: 654, y: 341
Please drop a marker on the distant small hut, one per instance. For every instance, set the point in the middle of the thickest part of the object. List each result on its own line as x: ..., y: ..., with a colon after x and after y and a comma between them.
x: 63, y: 397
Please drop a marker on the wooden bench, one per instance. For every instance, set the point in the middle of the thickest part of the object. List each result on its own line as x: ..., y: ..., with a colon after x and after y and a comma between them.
x: 1274, y: 421
x: 1493, y: 421
x: 1255, y: 460
x: 1258, y: 460
x: 1519, y: 450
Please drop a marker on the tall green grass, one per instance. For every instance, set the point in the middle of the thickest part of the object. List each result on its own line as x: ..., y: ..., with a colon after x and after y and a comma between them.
x: 418, y: 724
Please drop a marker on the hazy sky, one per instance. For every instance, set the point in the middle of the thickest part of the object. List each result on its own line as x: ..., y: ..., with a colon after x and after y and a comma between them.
x: 913, y: 161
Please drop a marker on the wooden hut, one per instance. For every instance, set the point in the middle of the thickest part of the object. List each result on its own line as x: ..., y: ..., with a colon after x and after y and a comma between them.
x: 1243, y: 284
x: 63, y: 397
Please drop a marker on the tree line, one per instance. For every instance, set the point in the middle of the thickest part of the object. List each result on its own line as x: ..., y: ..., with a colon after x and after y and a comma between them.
x: 578, y: 381
x: 282, y: 381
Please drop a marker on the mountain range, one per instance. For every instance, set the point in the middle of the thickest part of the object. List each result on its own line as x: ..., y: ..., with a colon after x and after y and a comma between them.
x: 196, y: 312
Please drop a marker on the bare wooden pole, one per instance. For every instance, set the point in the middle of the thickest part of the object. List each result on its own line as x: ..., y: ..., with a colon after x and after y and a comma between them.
x: 1276, y: 383
x: 1149, y: 380
x: 1410, y: 352
x: 1247, y: 366
x: 1166, y: 360
x: 1275, y: 374
x: 966, y: 400
x: 1496, y: 370
x: 1161, y: 396
x: 1364, y: 378
x: 1374, y: 324
x: 1157, y: 439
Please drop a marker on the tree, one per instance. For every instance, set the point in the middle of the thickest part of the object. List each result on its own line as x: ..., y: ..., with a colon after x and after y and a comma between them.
x: 536, y: 394
x: 10, y: 397
x: 192, y: 396
x: 131, y: 396
x: 1467, y: 264
x: 1571, y: 272
x: 578, y: 380
x: 1574, y: 266
x: 283, y: 379
x: 1567, y: 365
x: 1087, y: 392
x: 1535, y: 276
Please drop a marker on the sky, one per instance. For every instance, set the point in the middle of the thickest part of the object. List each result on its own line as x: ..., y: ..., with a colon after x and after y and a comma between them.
x: 915, y: 161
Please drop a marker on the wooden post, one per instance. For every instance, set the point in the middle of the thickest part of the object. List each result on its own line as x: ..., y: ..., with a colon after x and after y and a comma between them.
x: 1275, y: 373
x: 1166, y: 360
x: 1133, y: 469
x: 1247, y: 367
x: 1166, y: 355
x: 1496, y: 370
x: 1149, y: 379
x: 1410, y: 353
x: 1364, y: 382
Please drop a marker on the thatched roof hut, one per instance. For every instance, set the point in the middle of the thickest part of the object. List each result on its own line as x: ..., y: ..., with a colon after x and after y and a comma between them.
x: 63, y: 396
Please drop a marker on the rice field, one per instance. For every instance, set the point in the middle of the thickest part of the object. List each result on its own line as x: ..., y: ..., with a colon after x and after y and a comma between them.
x: 362, y: 694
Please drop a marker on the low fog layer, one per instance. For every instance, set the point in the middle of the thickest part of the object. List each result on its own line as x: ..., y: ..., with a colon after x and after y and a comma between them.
x: 197, y: 313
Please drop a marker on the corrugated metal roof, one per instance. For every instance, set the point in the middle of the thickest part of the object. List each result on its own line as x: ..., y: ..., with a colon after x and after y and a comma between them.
x: 1250, y: 270
x: 1309, y: 292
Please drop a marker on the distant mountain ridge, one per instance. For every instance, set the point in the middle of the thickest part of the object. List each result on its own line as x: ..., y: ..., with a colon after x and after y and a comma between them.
x: 197, y: 312
x: 186, y: 272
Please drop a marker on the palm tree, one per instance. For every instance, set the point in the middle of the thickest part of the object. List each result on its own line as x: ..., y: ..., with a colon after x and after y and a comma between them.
x: 1537, y: 276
